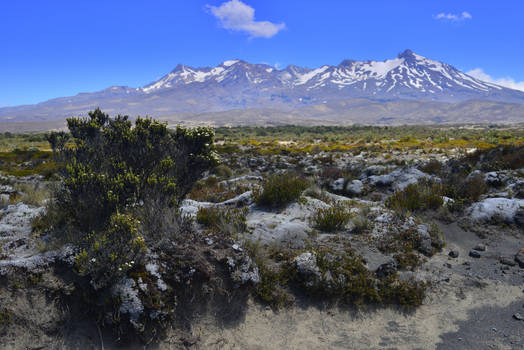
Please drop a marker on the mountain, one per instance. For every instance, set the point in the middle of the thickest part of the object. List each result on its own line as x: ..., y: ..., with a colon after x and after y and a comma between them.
x: 239, y: 85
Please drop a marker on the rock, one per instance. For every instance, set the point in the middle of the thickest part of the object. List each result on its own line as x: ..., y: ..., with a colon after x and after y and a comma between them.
x: 480, y: 247
x: 473, y: 174
x: 474, y: 254
x: 425, y: 239
x: 399, y: 178
x: 454, y: 254
x: 306, y: 264
x: 355, y: 188
x: 494, y: 178
x: 506, y: 261
x: 386, y: 269
x: 338, y: 185
x: 519, y: 258
x: 518, y: 317
x: 491, y: 208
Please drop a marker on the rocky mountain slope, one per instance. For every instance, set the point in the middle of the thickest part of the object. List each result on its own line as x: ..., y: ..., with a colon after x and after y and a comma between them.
x: 241, y: 85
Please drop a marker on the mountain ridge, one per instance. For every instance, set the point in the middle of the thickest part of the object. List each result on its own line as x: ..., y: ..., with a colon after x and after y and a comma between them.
x: 237, y: 84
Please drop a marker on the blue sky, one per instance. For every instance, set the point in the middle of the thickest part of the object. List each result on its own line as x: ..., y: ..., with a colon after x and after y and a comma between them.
x: 60, y: 48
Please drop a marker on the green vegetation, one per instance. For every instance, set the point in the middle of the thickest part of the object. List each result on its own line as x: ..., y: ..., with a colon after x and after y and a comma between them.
x: 358, y: 138
x: 334, y: 218
x: 225, y: 221
x: 280, y: 190
x: 416, y: 197
x: 121, y: 185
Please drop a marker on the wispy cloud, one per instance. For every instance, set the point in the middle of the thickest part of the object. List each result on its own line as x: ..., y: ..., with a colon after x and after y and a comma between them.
x: 453, y: 17
x: 236, y: 15
x: 506, y: 82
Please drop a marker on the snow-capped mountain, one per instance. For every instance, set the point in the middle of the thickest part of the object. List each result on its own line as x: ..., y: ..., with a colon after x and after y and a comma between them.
x: 237, y: 84
x: 407, y: 76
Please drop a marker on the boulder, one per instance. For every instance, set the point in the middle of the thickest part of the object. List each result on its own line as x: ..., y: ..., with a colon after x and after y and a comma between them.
x: 338, y: 185
x: 355, y: 188
x: 494, y: 178
x: 497, y: 208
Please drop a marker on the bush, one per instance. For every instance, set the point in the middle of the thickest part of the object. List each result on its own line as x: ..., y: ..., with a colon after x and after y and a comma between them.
x: 122, y: 182
x: 111, y: 253
x: 334, y: 218
x: 280, y: 190
x: 416, y: 197
x: 433, y: 167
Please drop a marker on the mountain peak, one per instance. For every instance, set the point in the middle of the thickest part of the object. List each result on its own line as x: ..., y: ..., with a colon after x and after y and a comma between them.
x: 230, y: 63
x: 407, y: 54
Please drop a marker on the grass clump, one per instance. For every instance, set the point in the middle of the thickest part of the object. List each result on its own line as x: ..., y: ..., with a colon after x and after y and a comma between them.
x: 280, y: 190
x: 416, y: 197
x: 223, y: 220
x: 334, y: 218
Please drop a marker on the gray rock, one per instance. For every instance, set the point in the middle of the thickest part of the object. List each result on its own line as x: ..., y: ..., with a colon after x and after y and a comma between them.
x: 355, y: 188
x: 338, y: 185
x: 425, y: 243
x: 494, y: 178
x: 480, y: 247
x: 306, y: 264
x: 518, y: 317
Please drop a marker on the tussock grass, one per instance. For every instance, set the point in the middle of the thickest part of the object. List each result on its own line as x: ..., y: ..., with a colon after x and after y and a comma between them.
x: 416, y: 197
x: 334, y: 218
x: 280, y: 190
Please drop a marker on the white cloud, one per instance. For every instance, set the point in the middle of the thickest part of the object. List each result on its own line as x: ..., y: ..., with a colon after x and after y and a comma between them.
x: 454, y: 17
x: 236, y: 15
x: 506, y: 82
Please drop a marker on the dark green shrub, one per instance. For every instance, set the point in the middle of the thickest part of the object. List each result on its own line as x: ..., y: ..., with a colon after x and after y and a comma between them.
x: 334, y: 218
x: 118, y: 174
x: 280, y: 190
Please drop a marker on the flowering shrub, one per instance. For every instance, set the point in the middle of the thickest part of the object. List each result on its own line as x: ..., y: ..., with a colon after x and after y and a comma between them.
x: 121, y: 184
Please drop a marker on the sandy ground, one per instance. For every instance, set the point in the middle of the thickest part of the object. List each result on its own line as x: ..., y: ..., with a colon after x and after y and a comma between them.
x: 470, y: 306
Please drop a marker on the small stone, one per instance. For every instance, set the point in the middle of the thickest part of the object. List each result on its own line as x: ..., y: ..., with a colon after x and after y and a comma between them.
x: 449, y: 266
x: 236, y: 247
x: 518, y: 317
x: 506, y: 261
x: 474, y: 254
x: 453, y: 253
x: 480, y: 247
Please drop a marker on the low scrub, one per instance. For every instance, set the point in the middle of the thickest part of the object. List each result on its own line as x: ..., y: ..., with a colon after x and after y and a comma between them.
x: 280, y: 190
x: 225, y: 221
x: 334, y: 218
x: 416, y: 197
